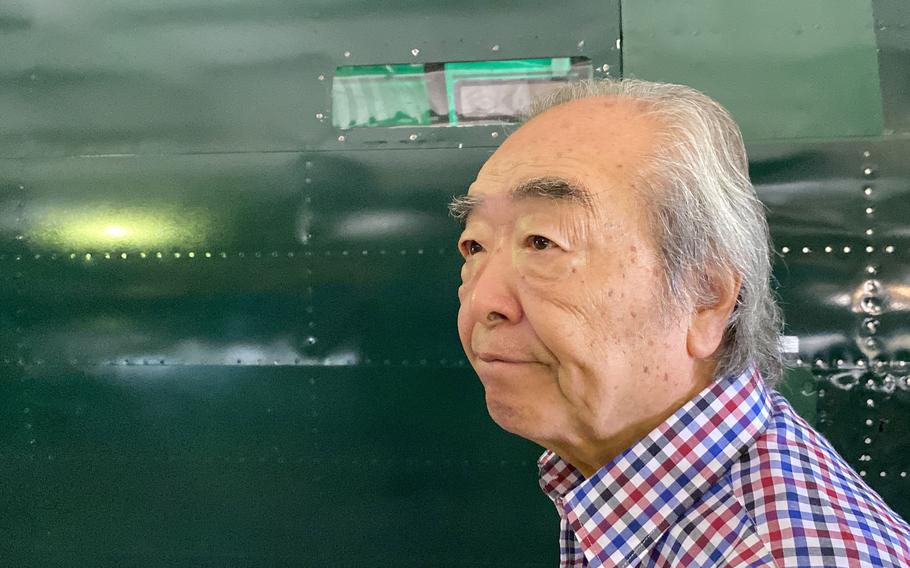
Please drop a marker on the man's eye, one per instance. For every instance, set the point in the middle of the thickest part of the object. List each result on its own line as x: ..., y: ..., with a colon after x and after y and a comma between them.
x: 539, y: 243
x: 471, y: 247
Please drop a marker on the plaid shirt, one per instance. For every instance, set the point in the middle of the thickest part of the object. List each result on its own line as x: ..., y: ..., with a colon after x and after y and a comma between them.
x: 733, y: 478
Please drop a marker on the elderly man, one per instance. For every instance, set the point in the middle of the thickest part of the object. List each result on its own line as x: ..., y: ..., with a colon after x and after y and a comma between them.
x: 615, y: 304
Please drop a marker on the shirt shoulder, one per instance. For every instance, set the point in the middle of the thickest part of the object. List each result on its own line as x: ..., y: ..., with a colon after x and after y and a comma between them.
x: 808, y: 505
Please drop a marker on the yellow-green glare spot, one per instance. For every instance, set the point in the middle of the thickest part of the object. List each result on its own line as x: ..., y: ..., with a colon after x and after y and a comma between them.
x: 119, y: 227
x: 116, y: 231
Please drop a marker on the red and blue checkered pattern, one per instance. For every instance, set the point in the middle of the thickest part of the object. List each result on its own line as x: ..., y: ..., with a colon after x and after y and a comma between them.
x: 734, y: 478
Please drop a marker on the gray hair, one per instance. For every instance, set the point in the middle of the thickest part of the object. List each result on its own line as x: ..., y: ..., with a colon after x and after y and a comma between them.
x: 707, y: 219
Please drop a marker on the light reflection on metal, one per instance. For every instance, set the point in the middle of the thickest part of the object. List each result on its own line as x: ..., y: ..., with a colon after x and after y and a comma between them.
x: 100, y: 228
x: 280, y: 352
x: 383, y: 224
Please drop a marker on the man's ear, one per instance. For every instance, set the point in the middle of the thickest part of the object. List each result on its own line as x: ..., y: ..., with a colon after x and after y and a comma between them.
x: 709, y: 321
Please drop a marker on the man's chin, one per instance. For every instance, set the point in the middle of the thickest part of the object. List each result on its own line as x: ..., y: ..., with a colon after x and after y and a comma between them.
x: 508, y: 417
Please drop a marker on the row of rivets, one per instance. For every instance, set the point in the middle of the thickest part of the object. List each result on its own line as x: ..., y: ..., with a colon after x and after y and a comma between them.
x: 784, y: 250
x: 209, y: 254
x: 337, y: 461
x: 297, y: 361
x: 871, y: 302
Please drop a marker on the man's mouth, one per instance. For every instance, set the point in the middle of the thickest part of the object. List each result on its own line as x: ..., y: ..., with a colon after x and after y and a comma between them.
x: 491, y: 357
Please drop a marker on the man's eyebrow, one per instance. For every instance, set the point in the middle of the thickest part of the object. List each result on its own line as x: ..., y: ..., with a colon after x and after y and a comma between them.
x: 461, y: 207
x: 557, y: 189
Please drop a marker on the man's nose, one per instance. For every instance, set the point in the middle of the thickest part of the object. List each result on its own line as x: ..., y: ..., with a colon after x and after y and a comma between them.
x: 493, y: 299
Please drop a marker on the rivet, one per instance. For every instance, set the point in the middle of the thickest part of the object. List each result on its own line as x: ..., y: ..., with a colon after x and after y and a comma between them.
x: 903, y: 474
x: 72, y: 255
x: 341, y: 138
x: 320, y: 116
x: 870, y: 249
x: 460, y: 145
x: 870, y: 403
x: 177, y: 255
x: 869, y: 422
x: 605, y: 67
x: 580, y: 45
x: 847, y: 250
x: 828, y: 249
x: 870, y: 232
x: 883, y: 474
x: 862, y: 473
x: 867, y: 171
x: 123, y: 255
x: 415, y: 52
x: 347, y: 53
x: 88, y: 256
x: 495, y: 47
x: 321, y: 77
x: 867, y: 440
x: 889, y: 249
x: 867, y: 190
x: 142, y: 255
x: 870, y: 210
x: 870, y: 269
x: 840, y: 362
x: 494, y: 134
x: 158, y: 255
x: 208, y: 255
x: 191, y: 254
x: 785, y: 250
x: 107, y: 255
x: 806, y: 250
x: 866, y: 153
x: 412, y: 137
x: 871, y: 325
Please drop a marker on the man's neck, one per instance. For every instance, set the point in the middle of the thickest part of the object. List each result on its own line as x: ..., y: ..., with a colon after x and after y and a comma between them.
x: 588, y: 456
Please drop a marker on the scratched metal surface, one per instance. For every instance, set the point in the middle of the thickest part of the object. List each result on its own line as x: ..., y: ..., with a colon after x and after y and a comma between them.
x: 227, y: 334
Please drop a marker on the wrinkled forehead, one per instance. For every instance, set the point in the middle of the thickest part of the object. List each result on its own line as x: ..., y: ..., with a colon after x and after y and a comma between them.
x: 588, y: 152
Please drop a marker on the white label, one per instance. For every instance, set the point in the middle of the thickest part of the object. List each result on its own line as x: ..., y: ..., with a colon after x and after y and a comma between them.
x: 789, y: 344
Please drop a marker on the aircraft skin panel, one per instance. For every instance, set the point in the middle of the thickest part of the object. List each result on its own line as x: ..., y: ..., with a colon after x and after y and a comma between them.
x: 811, y: 72
x: 227, y: 327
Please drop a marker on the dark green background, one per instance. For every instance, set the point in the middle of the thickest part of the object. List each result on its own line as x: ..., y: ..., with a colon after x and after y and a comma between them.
x: 298, y: 396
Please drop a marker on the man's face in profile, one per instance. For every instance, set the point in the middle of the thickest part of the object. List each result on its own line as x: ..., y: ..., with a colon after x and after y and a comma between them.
x: 560, y: 298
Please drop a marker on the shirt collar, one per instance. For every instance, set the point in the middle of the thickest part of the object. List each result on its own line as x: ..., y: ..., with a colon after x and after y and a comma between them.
x: 622, y: 510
